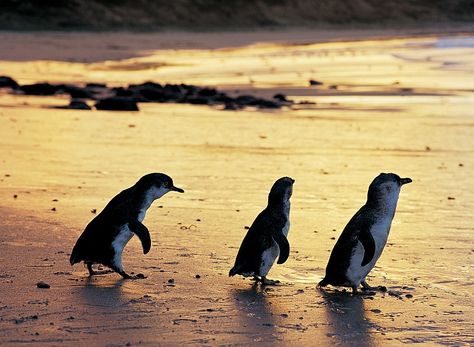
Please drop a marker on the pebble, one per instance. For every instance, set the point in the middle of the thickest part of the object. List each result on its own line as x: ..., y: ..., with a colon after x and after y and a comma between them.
x: 315, y: 83
x: 43, y: 285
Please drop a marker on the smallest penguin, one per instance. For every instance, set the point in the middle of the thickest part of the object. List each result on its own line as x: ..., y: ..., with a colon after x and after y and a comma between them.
x: 267, y: 237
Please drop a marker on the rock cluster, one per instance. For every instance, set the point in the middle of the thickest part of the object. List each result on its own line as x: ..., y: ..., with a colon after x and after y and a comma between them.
x: 127, y: 98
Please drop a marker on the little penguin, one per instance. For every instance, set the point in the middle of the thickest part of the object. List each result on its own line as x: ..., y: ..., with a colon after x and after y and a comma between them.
x: 364, y: 237
x: 105, y: 237
x: 267, y: 236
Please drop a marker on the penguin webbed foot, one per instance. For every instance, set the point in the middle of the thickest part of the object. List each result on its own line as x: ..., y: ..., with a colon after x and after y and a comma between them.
x: 366, y: 286
x: 90, y: 269
x: 100, y: 272
x: 268, y: 282
x: 265, y: 281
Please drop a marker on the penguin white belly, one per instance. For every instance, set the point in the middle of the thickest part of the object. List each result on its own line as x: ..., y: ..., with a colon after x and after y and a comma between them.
x: 356, y: 273
x: 269, y: 255
x: 268, y: 258
x: 119, y: 244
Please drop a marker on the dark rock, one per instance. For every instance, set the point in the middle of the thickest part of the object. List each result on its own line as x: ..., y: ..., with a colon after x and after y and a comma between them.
x: 197, y: 276
x: 76, y: 105
x: 75, y: 92
x: 207, y: 92
x: 43, y: 285
x: 39, y: 89
x: 315, y: 83
x: 409, y: 296
x: 198, y: 100
x: 121, y: 91
x: 262, y: 103
x: 280, y: 97
x: 175, y: 88
x: 222, y: 98
x: 231, y: 106
x: 189, y: 89
x: 96, y: 85
x: 246, y: 100
x: 8, y: 82
x: 156, y: 94
x: 147, y: 84
x: 117, y: 104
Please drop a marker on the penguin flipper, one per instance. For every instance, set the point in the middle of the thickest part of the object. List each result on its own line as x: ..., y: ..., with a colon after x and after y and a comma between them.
x: 143, y: 234
x: 284, y: 245
x: 368, y: 242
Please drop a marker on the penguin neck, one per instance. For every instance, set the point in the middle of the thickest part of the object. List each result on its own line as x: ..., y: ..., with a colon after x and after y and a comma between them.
x: 145, y: 198
x: 383, y: 206
x: 278, y: 204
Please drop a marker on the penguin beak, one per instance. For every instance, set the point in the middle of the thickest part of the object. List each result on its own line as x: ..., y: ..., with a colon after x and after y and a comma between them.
x: 176, y: 189
x: 405, y: 181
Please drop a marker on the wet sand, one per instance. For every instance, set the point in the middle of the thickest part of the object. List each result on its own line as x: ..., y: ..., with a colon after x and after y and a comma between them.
x: 402, y: 105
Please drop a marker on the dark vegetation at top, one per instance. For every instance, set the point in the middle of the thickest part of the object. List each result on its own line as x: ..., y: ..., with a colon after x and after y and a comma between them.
x: 217, y: 14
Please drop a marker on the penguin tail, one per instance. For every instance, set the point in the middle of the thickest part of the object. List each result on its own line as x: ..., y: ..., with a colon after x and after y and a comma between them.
x: 72, y: 260
x: 323, y: 283
x: 74, y: 257
x: 234, y: 271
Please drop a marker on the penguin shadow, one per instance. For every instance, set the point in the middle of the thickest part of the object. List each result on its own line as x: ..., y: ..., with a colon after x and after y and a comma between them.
x: 346, y: 317
x: 254, y: 309
x: 102, y: 293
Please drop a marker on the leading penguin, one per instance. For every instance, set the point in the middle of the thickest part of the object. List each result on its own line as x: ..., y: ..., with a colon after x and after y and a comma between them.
x: 105, y: 237
x: 267, y: 237
x: 364, y: 237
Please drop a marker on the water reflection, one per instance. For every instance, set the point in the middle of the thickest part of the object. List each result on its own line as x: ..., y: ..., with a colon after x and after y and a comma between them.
x: 255, y: 313
x: 102, y: 294
x: 347, y: 323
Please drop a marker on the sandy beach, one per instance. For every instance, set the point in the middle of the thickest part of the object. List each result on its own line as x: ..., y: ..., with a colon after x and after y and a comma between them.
x: 400, y: 105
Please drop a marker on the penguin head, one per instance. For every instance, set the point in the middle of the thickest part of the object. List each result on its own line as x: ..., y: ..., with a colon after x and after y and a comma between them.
x: 157, y: 185
x: 386, y: 187
x: 281, y: 190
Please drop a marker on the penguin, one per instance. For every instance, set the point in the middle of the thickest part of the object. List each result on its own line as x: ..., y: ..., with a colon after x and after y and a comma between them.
x: 105, y: 237
x: 267, y: 236
x: 364, y: 237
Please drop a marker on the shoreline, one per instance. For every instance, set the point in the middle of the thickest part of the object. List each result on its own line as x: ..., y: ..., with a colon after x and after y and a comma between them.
x: 91, y: 47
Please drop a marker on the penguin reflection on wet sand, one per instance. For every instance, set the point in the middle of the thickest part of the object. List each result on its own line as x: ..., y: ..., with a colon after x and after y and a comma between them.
x: 267, y: 237
x: 364, y: 237
x: 105, y: 237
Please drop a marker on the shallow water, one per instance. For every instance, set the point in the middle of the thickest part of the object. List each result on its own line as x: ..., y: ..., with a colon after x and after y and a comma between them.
x: 394, y: 110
